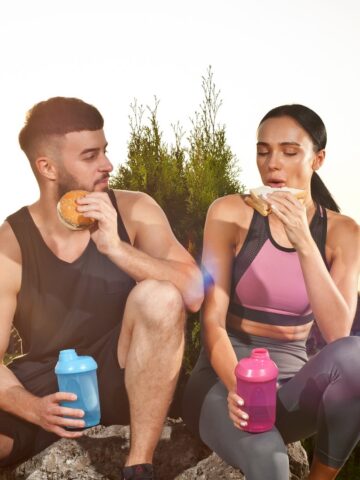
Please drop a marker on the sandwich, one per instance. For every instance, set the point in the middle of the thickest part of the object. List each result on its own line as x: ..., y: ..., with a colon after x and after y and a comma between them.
x: 257, y: 197
x: 68, y: 214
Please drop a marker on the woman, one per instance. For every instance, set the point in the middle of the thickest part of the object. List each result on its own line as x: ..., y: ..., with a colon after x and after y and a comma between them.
x: 267, y: 279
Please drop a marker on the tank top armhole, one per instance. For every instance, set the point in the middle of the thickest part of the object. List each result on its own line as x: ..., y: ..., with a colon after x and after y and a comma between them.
x: 319, y: 231
x: 323, y: 240
x: 16, y: 221
x: 121, y: 226
x: 256, y: 219
x: 255, y: 238
x: 23, y: 229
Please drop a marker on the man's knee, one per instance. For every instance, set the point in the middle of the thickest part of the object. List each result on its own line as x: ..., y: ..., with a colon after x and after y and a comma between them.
x: 159, y: 304
x: 6, y: 446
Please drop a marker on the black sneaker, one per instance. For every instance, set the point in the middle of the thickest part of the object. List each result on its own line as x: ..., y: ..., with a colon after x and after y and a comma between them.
x: 144, y: 471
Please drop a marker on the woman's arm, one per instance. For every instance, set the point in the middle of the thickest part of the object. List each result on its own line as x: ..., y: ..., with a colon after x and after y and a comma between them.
x: 332, y: 295
x: 220, y: 235
x: 217, y: 260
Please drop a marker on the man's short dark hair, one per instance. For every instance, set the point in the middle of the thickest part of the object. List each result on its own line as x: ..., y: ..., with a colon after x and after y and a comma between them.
x: 56, y: 117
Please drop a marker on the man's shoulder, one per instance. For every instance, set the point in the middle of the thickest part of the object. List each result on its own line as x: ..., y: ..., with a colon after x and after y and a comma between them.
x: 136, y: 209
x: 7, y: 235
x: 134, y: 204
x: 9, y: 246
x: 131, y: 196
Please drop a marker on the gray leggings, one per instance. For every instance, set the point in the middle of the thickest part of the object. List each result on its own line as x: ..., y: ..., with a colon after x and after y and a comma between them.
x: 321, y: 396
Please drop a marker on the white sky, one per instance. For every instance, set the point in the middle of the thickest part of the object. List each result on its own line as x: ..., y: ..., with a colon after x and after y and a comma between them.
x: 263, y: 52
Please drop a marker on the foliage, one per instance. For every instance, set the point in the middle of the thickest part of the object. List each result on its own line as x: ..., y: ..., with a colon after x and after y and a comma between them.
x: 14, y: 348
x: 155, y: 168
x: 211, y: 170
x: 184, y: 180
x: 7, y: 359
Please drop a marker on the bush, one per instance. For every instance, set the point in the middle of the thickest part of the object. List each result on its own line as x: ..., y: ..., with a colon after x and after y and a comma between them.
x: 183, y: 179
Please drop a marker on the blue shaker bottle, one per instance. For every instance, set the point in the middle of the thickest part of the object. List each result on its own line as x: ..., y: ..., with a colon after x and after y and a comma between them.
x: 77, y: 374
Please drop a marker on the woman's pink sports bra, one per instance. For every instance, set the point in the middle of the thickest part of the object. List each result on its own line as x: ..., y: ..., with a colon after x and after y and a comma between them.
x: 267, y: 281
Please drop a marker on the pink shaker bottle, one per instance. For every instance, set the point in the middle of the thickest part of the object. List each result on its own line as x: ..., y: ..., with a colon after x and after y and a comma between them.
x: 256, y: 385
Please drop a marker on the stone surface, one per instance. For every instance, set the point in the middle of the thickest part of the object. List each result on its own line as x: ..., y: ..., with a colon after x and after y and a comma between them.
x: 101, y: 452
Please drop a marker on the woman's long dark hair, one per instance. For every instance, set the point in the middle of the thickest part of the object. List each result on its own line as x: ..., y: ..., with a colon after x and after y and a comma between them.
x: 315, y: 128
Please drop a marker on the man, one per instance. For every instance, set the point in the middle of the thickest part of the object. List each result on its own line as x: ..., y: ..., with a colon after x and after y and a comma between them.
x: 118, y: 292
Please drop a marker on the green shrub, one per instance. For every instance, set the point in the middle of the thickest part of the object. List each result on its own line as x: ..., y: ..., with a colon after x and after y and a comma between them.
x: 183, y: 179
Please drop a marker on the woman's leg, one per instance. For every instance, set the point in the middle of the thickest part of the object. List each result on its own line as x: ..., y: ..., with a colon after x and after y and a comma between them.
x: 258, y: 455
x: 324, y: 398
x: 319, y: 471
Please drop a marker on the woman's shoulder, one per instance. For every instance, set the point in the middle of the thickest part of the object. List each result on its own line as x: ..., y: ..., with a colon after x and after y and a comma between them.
x: 228, y: 206
x: 342, y: 227
x: 339, y: 220
x: 231, y: 217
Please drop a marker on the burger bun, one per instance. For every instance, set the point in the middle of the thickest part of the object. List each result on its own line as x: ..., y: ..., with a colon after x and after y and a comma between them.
x: 68, y: 214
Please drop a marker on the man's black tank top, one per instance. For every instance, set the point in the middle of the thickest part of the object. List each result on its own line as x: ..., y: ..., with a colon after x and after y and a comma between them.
x: 64, y: 305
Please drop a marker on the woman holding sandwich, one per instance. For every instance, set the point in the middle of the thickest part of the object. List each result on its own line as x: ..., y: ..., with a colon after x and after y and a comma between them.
x: 268, y: 275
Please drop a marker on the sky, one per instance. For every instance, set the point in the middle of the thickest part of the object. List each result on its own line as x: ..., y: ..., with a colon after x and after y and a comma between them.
x: 263, y: 53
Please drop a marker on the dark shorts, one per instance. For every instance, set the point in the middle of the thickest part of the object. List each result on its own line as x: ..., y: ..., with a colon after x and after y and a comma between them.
x: 39, y: 378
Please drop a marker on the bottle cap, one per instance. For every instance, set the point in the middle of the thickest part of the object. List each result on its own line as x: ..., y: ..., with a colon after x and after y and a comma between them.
x: 70, y: 362
x: 261, y: 353
x: 257, y: 367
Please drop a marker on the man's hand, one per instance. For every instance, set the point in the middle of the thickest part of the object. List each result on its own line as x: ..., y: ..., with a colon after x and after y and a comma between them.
x: 237, y: 416
x: 105, y: 234
x: 50, y: 415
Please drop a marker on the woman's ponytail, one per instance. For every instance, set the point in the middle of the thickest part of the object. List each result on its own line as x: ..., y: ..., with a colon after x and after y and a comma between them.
x: 321, y: 194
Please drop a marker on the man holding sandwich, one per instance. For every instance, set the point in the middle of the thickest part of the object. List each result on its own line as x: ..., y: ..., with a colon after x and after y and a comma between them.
x: 118, y: 291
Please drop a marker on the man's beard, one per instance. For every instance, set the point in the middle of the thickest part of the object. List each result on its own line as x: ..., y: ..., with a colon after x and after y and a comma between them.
x: 67, y: 182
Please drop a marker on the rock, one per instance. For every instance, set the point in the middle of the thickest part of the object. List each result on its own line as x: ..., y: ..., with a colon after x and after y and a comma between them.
x: 211, y: 468
x: 101, y: 452
x: 299, y: 465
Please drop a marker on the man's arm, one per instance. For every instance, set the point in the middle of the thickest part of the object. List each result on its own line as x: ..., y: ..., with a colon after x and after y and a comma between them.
x: 14, y: 398
x: 10, y: 279
x: 156, y: 254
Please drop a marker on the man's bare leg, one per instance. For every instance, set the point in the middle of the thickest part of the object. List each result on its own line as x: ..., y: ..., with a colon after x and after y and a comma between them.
x: 151, y: 346
x: 6, y: 446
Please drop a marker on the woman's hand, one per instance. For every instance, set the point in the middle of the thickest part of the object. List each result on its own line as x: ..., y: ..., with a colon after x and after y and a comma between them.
x: 237, y: 416
x: 292, y: 214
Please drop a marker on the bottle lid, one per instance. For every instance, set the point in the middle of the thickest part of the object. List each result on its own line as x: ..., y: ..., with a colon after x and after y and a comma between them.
x: 70, y: 362
x: 257, y: 367
x: 261, y: 353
